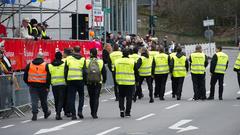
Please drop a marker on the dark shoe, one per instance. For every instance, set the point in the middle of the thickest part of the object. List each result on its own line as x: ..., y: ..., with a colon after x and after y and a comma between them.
x: 117, y: 99
x: 156, y: 96
x: 122, y: 114
x: 68, y: 114
x: 140, y: 96
x: 128, y: 115
x: 178, y: 98
x: 151, y: 100
x: 80, y: 115
x: 58, y: 117
x: 238, y: 98
x: 34, y: 117
x: 46, y: 115
x: 220, y: 98
x: 162, y: 98
x: 204, y: 98
x: 134, y: 99
x: 173, y: 96
x: 210, y: 98
x: 74, y: 117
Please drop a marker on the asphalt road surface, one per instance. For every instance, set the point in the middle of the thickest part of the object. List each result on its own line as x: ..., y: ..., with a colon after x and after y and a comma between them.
x: 169, y: 117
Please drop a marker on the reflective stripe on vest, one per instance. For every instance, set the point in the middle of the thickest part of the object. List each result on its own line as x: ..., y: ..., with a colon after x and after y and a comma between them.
x: 57, y: 74
x: 146, y: 67
x: 114, y: 56
x: 237, y: 63
x: 125, y: 71
x: 161, y: 61
x: 135, y: 57
x: 222, y: 60
x: 35, y: 30
x: 197, y: 65
x: 44, y: 33
x: 179, y: 69
x: 37, y: 73
x: 30, y: 29
x: 75, y: 68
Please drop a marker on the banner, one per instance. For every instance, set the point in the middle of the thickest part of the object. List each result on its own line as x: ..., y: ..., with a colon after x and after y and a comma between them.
x: 23, y: 51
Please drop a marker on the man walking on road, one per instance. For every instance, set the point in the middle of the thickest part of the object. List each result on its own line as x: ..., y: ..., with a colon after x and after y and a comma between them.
x: 36, y: 75
x: 75, y: 74
x: 198, y: 64
x: 218, y: 67
x: 161, y: 69
x: 125, y: 68
x: 179, y: 68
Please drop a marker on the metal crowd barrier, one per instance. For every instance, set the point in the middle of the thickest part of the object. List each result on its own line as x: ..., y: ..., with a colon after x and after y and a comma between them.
x: 109, y: 82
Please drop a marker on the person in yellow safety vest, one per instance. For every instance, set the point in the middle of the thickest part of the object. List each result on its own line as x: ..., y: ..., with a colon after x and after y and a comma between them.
x: 161, y: 63
x: 116, y: 54
x: 218, y: 66
x: 135, y: 56
x: 125, y: 68
x: 36, y: 76
x: 32, y: 28
x: 56, y: 69
x: 94, y: 89
x: 237, y: 68
x: 198, y: 63
x: 172, y: 78
x: 144, y: 66
x: 75, y: 75
x: 153, y: 52
x: 44, y: 31
x: 179, y: 68
x: 67, y: 52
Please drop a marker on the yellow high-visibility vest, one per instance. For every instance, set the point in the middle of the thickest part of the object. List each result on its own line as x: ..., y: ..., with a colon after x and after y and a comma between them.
x: 57, y: 74
x: 125, y: 71
x: 135, y: 57
x: 153, y: 53
x: 146, y: 67
x: 162, y: 66
x: 114, y: 56
x: 198, y: 63
x: 179, y: 69
x: 237, y: 63
x: 221, y: 63
x: 172, y: 54
x: 75, y: 67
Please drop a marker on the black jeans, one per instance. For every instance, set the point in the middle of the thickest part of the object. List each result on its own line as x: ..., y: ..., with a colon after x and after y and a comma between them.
x: 160, y: 84
x: 58, y: 93
x: 238, y: 75
x: 116, y: 91
x: 149, y: 83
x: 199, y: 87
x: 66, y: 108
x: 73, y: 88
x: 174, y: 85
x: 220, y: 78
x: 125, y: 91
x: 94, y: 92
x: 179, y: 84
x: 36, y: 94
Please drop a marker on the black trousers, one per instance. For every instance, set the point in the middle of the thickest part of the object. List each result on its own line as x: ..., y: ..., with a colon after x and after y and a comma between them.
x: 199, y: 87
x: 94, y: 92
x: 66, y: 108
x: 73, y: 88
x: 178, y: 85
x: 174, y: 86
x: 238, y: 75
x: 125, y: 91
x: 220, y: 78
x: 149, y: 84
x: 58, y: 93
x: 160, y: 84
x: 116, y: 91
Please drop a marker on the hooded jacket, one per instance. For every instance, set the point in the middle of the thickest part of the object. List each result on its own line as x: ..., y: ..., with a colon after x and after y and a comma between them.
x: 179, y: 55
x: 46, y: 85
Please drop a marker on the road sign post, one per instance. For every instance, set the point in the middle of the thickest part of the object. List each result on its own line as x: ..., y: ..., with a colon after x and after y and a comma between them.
x: 106, y: 12
x: 208, y: 33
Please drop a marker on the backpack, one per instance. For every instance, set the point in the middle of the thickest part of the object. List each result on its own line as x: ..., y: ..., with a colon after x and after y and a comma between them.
x: 93, y: 72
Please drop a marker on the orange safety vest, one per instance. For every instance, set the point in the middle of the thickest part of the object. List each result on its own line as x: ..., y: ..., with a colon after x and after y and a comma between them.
x: 37, y: 73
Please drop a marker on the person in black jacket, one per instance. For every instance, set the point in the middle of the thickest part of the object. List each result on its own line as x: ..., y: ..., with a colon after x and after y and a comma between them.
x: 37, y: 77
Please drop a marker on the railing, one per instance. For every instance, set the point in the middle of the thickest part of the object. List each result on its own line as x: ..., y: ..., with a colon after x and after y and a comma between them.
x: 208, y: 48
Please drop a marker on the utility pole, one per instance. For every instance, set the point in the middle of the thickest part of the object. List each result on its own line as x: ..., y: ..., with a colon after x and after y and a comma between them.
x: 236, y: 29
x: 151, y: 25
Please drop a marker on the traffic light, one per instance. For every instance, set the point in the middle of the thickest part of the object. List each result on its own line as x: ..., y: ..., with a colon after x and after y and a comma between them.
x: 152, y: 20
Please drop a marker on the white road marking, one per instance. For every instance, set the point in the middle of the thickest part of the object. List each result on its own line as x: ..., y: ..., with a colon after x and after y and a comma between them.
x: 238, y: 92
x: 146, y: 116
x: 104, y: 100
x: 108, y: 131
x: 8, y: 126
x: 26, y: 121
x: 168, y: 93
x: 182, y: 129
x: 172, y: 106
x: 60, y: 127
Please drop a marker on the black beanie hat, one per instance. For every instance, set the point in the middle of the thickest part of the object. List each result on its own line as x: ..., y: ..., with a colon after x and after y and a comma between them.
x: 58, y: 55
